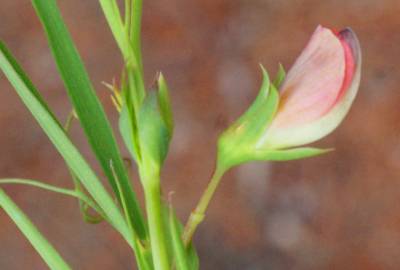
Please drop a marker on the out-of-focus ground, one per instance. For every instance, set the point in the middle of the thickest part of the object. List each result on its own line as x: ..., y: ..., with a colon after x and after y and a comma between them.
x: 338, y: 211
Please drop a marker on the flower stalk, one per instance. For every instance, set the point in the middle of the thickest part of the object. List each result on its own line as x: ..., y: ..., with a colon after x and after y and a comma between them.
x: 198, y: 214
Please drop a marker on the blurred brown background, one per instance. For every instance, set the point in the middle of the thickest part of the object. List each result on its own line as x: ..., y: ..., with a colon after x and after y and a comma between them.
x: 339, y: 211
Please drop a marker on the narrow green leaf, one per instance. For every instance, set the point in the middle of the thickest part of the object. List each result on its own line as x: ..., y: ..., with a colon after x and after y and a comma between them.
x: 193, y: 258
x: 141, y: 255
x: 190, y: 254
x: 42, y: 246
x: 87, y: 106
x: 32, y: 100
x: 135, y: 31
x: 180, y: 254
x: 113, y: 16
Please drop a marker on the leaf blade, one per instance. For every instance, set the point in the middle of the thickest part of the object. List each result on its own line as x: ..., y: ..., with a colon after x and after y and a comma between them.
x: 52, y: 258
x: 87, y: 106
x: 178, y: 247
x: 32, y: 100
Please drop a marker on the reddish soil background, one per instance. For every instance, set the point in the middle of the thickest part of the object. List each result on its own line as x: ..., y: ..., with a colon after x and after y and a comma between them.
x: 338, y: 211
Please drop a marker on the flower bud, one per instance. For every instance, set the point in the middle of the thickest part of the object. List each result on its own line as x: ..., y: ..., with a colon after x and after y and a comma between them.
x: 314, y: 98
x: 147, y: 135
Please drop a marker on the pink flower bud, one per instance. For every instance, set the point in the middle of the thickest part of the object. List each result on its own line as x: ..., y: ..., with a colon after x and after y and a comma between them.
x: 317, y: 91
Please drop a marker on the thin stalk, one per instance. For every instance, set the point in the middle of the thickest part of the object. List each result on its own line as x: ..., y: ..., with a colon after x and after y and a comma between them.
x: 135, y: 30
x: 113, y: 16
x: 83, y: 207
x: 133, y: 26
x: 152, y: 192
x: 128, y: 10
x: 81, y: 196
x: 198, y: 214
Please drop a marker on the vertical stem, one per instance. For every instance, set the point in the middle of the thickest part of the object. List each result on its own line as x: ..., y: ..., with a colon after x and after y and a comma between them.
x: 154, y: 214
x: 197, y: 216
x: 133, y: 26
x: 135, y: 30
x: 128, y: 13
x: 135, y: 34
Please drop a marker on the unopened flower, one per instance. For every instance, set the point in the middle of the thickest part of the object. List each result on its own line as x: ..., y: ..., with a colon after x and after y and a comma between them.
x: 313, y: 99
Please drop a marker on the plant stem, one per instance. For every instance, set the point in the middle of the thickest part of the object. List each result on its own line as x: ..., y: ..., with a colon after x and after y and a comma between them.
x: 152, y: 193
x: 74, y: 193
x: 134, y: 32
x: 197, y: 216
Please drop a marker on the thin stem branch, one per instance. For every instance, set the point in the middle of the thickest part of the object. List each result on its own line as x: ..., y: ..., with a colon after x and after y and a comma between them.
x: 64, y: 191
x: 197, y: 216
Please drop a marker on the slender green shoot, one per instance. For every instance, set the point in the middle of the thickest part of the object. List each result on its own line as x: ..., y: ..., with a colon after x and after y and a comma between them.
x: 42, y: 246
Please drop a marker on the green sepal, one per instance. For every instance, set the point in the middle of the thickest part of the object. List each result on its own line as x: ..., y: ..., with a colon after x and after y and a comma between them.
x: 257, y: 104
x: 165, y: 104
x: 127, y: 132
x: 280, y: 76
x: 290, y: 154
x: 153, y: 132
x: 238, y: 142
x: 149, y: 132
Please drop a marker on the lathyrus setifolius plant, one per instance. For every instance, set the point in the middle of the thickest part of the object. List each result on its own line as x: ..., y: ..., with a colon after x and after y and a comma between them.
x: 294, y: 110
x: 146, y: 126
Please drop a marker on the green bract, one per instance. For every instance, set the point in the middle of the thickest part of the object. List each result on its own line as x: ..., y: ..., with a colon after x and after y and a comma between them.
x: 241, y: 141
x: 147, y: 135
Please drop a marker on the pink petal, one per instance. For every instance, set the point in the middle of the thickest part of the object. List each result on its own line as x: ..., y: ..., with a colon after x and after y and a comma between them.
x: 316, y: 81
x: 290, y: 127
x: 349, y: 59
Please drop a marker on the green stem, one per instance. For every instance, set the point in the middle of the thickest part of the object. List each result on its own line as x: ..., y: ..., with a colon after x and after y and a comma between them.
x: 135, y: 28
x: 64, y: 191
x: 152, y: 193
x: 197, y: 215
x: 128, y: 10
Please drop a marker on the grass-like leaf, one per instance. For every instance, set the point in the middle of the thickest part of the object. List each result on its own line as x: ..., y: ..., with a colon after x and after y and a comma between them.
x: 42, y: 246
x: 87, y: 106
x: 113, y: 16
x: 179, y: 250
x: 33, y: 101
